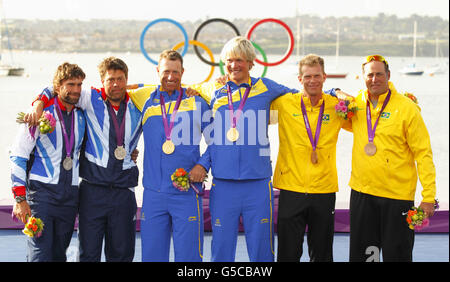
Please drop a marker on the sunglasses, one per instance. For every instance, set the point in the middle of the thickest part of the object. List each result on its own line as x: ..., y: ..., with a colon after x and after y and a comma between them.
x: 377, y: 58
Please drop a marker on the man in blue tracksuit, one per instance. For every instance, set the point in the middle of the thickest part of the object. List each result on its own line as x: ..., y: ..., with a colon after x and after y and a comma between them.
x: 108, y: 207
x: 240, y: 157
x: 45, y: 169
x: 169, y: 116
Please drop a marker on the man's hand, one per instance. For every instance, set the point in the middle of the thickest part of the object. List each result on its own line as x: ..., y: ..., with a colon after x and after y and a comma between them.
x: 428, y: 208
x: 134, y: 155
x: 197, y: 174
x: 21, y: 210
x: 341, y: 95
x: 32, y: 118
x: 191, y: 92
x: 222, y: 79
x: 132, y: 86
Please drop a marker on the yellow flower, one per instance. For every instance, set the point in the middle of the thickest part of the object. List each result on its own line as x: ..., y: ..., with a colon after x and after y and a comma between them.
x: 28, y: 233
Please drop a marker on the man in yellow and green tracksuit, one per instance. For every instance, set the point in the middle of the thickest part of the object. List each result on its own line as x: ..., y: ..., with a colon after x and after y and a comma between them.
x: 390, y: 140
x: 306, y: 171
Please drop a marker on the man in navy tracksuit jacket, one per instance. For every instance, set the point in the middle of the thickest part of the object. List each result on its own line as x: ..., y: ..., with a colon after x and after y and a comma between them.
x: 44, y: 185
x: 108, y: 207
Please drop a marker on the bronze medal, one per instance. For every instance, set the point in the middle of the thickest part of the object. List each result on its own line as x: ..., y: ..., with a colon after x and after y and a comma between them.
x: 232, y: 134
x: 370, y: 149
x: 314, y: 157
x: 168, y: 147
x: 120, y: 153
x: 67, y: 163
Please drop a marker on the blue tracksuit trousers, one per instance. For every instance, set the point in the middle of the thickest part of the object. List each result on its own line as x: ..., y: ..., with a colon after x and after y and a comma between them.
x: 59, y: 223
x: 179, y: 214
x: 251, y: 199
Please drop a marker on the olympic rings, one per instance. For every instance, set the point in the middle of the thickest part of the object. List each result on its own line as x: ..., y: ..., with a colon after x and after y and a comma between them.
x: 211, y: 56
x: 186, y: 40
x: 260, y: 51
x: 291, y: 40
x: 197, y: 32
x: 196, y: 43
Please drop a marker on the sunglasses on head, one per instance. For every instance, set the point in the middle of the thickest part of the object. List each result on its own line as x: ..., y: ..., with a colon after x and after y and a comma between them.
x: 377, y: 58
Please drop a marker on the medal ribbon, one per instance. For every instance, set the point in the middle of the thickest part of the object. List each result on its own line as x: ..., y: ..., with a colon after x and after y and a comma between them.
x: 235, y: 117
x: 120, y: 131
x: 168, y: 128
x: 308, y: 127
x: 197, y: 191
x: 370, y: 130
x: 68, y: 143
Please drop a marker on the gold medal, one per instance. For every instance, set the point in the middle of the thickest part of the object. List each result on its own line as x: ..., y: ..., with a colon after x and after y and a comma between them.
x: 120, y: 153
x: 314, y: 157
x: 232, y: 134
x: 168, y: 147
x: 67, y: 163
x: 370, y: 149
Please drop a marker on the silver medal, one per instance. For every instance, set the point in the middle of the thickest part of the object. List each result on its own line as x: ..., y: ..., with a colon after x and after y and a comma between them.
x: 120, y: 153
x: 67, y: 163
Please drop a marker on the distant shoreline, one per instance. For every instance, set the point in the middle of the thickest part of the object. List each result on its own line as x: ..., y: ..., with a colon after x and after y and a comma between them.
x: 5, y: 55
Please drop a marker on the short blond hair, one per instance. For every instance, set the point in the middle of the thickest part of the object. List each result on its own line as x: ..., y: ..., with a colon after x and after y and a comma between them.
x: 171, y: 55
x: 238, y: 46
x: 311, y: 60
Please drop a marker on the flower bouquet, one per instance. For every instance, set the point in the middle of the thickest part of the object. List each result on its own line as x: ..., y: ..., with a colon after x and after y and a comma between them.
x: 416, y: 219
x: 180, y: 180
x: 47, y: 123
x: 345, y: 109
x: 33, y: 227
x: 411, y: 96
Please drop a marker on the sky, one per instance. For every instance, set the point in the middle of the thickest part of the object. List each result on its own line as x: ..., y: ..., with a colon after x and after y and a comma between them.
x: 182, y: 10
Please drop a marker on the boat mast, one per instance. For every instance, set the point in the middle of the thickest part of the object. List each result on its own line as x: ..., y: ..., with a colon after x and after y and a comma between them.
x: 1, y: 13
x: 414, y: 42
x: 337, y: 44
x: 297, y: 16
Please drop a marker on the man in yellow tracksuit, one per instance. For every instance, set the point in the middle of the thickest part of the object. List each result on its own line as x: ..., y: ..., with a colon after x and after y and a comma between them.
x: 384, y: 173
x: 306, y: 171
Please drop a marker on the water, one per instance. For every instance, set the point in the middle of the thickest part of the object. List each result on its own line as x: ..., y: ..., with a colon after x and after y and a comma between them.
x: 431, y: 91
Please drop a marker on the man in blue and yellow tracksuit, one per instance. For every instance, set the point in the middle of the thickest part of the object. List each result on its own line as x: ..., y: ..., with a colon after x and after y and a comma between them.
x: 165, y: 209
x: 241, y: 166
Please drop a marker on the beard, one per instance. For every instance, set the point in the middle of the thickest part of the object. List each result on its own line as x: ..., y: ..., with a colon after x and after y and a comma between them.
x: 115, y: 96
x: 69, y: 99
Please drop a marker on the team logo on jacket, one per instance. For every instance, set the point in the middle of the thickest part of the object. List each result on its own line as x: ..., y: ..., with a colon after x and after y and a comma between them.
x: 385, y: 115
x: 192, y: 218
x: 185, y: 104
x: 217, y: 222
x: 264, y: 220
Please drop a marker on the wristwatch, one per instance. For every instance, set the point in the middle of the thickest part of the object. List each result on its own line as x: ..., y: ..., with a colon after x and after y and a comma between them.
x: 20, y: 199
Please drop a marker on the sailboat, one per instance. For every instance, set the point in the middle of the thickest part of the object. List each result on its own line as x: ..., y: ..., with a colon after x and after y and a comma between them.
x: 334, y: 73
x: 439, y: 67
x: 6, y: 69
x: 411, y: 69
